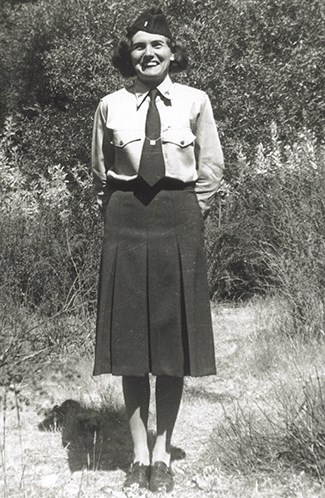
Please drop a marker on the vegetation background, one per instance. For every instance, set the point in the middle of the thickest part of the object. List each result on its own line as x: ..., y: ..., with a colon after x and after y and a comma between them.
x: 262, y: 64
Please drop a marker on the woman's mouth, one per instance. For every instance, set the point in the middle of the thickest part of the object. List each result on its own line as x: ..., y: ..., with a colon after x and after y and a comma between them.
x: 148, y: 65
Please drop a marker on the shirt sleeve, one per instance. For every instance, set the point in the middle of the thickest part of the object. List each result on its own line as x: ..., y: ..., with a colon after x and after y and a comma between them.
x: 209, y: 157
x: 102, y: 154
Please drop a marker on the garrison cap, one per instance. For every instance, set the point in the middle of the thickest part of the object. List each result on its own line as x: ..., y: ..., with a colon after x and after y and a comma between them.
x: 151, y: 21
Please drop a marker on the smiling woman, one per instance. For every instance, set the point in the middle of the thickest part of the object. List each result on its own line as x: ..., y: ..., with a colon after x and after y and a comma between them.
x: 157, y: 163
x: 122, y: 61
x: 151, y: 57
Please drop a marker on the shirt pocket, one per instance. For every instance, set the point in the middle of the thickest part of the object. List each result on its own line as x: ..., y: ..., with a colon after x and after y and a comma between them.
x: 127, y: 151
x: 178, y: 150
x: 181, y: 137
x: 125, y: 138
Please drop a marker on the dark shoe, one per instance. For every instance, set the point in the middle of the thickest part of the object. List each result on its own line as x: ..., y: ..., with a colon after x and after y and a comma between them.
x: 138, y: 475
x: 161, y: 478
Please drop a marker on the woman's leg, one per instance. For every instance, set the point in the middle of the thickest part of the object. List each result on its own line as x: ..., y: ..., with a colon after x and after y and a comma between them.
x: 168, y: 398
x: 136, y: 392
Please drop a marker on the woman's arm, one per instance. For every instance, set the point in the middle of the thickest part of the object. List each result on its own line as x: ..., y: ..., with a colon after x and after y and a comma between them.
x: 209, y: 157
x: 102, y: 154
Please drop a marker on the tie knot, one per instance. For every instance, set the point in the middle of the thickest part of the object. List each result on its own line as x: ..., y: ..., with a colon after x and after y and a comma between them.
x: 153, y: 94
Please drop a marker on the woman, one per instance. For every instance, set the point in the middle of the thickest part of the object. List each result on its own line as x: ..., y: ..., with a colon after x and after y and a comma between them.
x: 157, y: 163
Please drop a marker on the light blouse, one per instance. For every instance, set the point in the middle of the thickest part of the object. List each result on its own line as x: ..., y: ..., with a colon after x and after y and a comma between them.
x: 190, y: 142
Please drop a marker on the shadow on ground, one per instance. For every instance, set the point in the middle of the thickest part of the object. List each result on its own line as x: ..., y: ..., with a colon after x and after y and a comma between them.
x: 94, y: 439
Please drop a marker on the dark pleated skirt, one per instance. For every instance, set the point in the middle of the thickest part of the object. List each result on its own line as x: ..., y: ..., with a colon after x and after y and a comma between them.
x: 153, y: 302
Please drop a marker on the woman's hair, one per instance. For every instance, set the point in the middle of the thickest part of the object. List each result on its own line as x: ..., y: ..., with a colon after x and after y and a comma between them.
x: 121, y: 58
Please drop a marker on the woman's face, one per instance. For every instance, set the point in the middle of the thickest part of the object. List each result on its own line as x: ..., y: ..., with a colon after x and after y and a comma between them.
x: 150, y: 56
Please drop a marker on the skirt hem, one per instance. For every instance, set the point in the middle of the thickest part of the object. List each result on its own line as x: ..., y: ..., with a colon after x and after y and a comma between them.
x: 156, y: 374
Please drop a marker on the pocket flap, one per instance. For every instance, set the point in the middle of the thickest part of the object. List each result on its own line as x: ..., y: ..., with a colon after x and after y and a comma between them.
x: 183, y: 137
x: 121, y: 138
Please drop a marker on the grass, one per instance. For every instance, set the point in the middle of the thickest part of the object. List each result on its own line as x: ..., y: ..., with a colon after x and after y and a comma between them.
x: 254, y: 430
x: 277, y: 427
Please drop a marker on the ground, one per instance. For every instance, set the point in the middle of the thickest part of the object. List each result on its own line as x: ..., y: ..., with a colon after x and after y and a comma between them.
x: 64, y: 433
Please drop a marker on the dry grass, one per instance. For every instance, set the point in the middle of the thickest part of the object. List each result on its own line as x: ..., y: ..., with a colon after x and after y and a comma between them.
x: 276, y: 428
x: 64, y: 433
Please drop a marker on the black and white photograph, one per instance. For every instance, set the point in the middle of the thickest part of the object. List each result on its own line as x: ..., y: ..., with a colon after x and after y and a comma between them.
x: 162, y: 249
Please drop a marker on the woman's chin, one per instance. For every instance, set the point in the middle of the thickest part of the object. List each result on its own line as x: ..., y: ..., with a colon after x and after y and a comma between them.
x: 151, y: 74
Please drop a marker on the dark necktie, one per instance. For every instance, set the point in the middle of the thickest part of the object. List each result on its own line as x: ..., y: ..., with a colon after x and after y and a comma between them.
x: 152, y: 166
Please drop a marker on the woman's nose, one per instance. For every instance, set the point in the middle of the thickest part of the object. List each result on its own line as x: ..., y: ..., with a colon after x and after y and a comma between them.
x: 148, y: 50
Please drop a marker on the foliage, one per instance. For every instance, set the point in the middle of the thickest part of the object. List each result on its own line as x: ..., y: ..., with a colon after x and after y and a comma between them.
x: 50, y: 240
x: 271, y: 231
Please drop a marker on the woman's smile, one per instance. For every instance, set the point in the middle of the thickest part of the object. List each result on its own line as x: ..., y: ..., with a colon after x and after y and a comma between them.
x: 151, y: 56
x: 146, y: 65
x: 150, y: 64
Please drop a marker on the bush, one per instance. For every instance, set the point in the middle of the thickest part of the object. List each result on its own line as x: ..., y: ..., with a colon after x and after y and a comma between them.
x: 49, y: 258
x: 271, y: 230
x: 50, y: 239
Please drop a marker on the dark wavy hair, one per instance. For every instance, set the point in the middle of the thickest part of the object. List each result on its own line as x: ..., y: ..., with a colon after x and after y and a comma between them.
x: 121, y: 58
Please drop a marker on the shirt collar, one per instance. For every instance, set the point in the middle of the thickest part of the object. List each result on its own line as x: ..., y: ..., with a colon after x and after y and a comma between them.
x: 141, y: 90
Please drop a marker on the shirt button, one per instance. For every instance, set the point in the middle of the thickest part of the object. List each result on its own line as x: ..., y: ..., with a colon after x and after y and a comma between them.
x: 121, y: 142
x: 182, y: 142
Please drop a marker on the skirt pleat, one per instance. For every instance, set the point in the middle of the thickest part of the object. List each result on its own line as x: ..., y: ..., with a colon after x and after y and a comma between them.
x: 165, y: 296
x: 105, y: 307
x: 153, y: 301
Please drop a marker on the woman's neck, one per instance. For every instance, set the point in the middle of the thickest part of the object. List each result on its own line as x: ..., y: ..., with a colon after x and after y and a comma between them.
x: 150, y: 84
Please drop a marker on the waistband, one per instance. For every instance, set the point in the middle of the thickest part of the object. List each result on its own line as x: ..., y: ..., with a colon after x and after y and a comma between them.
x: 139, y: 184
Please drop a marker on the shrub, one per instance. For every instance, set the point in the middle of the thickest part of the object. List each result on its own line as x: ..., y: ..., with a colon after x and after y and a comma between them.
x: 271, y: 230
x: 48, y: 263
x: 50, y: 239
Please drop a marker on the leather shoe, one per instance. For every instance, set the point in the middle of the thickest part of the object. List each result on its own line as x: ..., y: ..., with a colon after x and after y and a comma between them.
x: 161, y: 478
x: 138, y: 475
